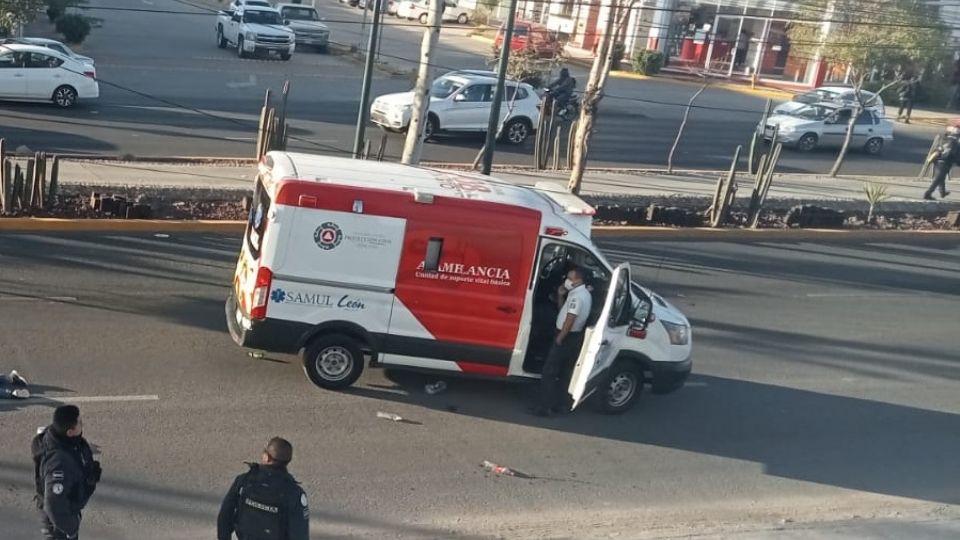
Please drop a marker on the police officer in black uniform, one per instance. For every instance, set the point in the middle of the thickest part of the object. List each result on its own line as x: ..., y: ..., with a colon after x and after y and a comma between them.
x: 65, y: 472
x: 944, y: 157
x: 266, y: 503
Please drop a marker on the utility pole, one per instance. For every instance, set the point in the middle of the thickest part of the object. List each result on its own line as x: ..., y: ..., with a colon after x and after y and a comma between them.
x: 591, y: 97
x: 493, y: 123
x: 364, y: 114
x: 421, y: 92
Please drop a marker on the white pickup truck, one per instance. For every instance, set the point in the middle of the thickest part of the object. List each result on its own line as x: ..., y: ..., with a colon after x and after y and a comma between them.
x: 254, y: 29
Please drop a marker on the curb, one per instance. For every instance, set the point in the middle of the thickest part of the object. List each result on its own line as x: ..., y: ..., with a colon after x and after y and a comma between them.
x: 765, y: 235
x: 116, y: 225
x: 601, y: 231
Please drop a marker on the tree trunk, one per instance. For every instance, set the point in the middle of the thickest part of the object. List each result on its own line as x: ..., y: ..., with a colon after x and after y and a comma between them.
x: 421, y: 92
x: 683, y: 124
x: 847, y: 138
x: 591, y: 98
x: 857, y: 110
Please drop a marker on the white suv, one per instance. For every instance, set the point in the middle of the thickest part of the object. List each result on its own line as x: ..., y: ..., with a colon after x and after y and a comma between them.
x: 460, y: 102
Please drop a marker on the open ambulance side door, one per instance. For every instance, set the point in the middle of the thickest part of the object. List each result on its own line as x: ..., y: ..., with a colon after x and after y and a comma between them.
x: 600, y: 343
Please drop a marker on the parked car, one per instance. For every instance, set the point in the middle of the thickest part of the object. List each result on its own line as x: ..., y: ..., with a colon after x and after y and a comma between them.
x: 825, y: 125
x: 306, y: 25
x: 50, y: 44
x: 253, y: 30
x: 420, y: 10
x: 528, y: 36
x: 36, y: 73
x: 461, y: 103
x: 840, y: 95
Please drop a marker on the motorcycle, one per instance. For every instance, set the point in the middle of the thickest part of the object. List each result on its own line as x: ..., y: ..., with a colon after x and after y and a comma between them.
x: 569, y: 111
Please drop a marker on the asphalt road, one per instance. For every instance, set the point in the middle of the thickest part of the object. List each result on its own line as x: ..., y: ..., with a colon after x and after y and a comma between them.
x: 826, y: 376
x: 167, y: 90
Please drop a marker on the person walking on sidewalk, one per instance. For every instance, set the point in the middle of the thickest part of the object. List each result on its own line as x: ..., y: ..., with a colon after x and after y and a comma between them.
x: 944, y: 157
x: 266, y: 503
x: 575, y: 301
x: 65, y: 472
x: 907, y: 93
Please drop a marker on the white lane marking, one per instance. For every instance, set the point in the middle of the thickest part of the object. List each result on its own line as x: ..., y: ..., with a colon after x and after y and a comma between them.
x: 38, y: 298
x: 97, y: 399
x: 240, y: 138
x: 860, y: 295
x: 249, y: 83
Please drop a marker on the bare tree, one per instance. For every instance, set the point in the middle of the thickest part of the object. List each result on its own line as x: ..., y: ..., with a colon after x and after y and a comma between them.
x: 599, y: 72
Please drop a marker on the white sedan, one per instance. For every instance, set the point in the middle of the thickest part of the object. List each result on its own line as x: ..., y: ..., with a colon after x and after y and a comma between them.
x: 420, y: 10
x: 50, y: 44
x: 460, y: 102
x: 35, y: 73
x: 825, y: 125
x: 838, y: 95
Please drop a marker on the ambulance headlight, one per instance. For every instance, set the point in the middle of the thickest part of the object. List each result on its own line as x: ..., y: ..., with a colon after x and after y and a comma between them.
x: 679, y: 333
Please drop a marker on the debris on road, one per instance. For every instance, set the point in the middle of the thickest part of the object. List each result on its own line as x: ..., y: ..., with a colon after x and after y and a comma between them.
x: 257, y: 355
x: 435, y: 388
x: 397, y: 418
x: 500, y: 470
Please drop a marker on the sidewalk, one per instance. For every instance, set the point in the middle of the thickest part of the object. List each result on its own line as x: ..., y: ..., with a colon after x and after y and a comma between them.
x: 651, y: 186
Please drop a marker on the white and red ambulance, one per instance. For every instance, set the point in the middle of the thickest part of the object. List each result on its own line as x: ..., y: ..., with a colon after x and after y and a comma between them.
x: 435, y: 270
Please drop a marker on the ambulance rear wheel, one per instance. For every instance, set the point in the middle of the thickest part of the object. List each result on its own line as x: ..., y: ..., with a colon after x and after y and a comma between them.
x: 621, y: 388
x: 333, y: 361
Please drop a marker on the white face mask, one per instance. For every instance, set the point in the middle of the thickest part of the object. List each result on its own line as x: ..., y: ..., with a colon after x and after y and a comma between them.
x: 568, y: 285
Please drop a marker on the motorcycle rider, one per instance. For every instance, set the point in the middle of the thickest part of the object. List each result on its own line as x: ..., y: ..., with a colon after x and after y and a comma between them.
x: 561, y: 90
x: 944, y: 157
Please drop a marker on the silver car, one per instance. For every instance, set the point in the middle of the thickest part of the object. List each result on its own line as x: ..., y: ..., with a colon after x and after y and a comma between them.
x: 825, y: 125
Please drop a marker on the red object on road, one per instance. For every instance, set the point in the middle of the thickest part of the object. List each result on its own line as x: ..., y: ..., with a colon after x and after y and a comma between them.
x: 528, y: 36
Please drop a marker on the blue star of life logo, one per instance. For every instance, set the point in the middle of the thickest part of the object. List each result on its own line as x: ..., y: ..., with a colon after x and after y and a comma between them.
x: 278, y: 295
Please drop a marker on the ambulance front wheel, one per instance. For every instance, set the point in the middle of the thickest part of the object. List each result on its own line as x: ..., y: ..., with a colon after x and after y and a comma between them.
x: 333, y: 361
x: 621, y: 387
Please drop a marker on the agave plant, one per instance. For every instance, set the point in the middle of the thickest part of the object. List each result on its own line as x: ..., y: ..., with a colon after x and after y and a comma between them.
x: 876, y: 194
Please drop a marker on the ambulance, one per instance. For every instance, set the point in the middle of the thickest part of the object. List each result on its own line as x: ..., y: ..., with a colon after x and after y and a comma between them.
x: 350, y: 262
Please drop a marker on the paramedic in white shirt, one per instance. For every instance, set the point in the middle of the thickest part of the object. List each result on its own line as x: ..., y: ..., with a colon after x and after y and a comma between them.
x: 575, y: 302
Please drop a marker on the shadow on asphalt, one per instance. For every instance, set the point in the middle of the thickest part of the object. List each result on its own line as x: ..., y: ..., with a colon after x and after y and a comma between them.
x: 797, y: 434
x: 810, y: 436
x: 187, y: 506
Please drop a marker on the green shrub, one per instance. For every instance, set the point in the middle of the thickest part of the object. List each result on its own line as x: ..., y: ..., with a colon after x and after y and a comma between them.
x: 648, y: 62
x: 74, y: 28
x: 619, y: 49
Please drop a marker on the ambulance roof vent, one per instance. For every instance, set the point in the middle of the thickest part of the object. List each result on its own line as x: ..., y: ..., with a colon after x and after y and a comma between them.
x: 422, y: 197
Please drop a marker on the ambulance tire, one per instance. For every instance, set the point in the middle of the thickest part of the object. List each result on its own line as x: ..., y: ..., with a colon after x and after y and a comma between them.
x: 333, y: 361
x: 621, y: 388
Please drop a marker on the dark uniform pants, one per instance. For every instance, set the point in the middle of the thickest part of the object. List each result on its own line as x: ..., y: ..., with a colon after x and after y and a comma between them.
x: 940, y: 171
x: 557, y: 370
x: 50, y: 532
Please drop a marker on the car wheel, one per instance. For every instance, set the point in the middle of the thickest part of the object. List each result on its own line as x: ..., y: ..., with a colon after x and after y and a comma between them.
x: 517, y: 131
x: 333, y: 361
x: 240, y: 52
x: 284, y: 56
x: 874, y: 146
x: 431, y: 128
x: 621, y: 387
x: 462, y: 18
x: 423, y: 18
x: 65, y: 97
x: 221, y: 41
x: 807, y: 143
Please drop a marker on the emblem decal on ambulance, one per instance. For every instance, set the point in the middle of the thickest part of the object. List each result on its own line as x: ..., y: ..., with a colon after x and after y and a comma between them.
x: 328, y: 235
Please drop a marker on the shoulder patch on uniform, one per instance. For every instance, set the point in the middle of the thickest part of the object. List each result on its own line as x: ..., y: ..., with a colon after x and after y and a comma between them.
x: 303, y: 499
x: 57, y: 488
x: 57, y: 475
